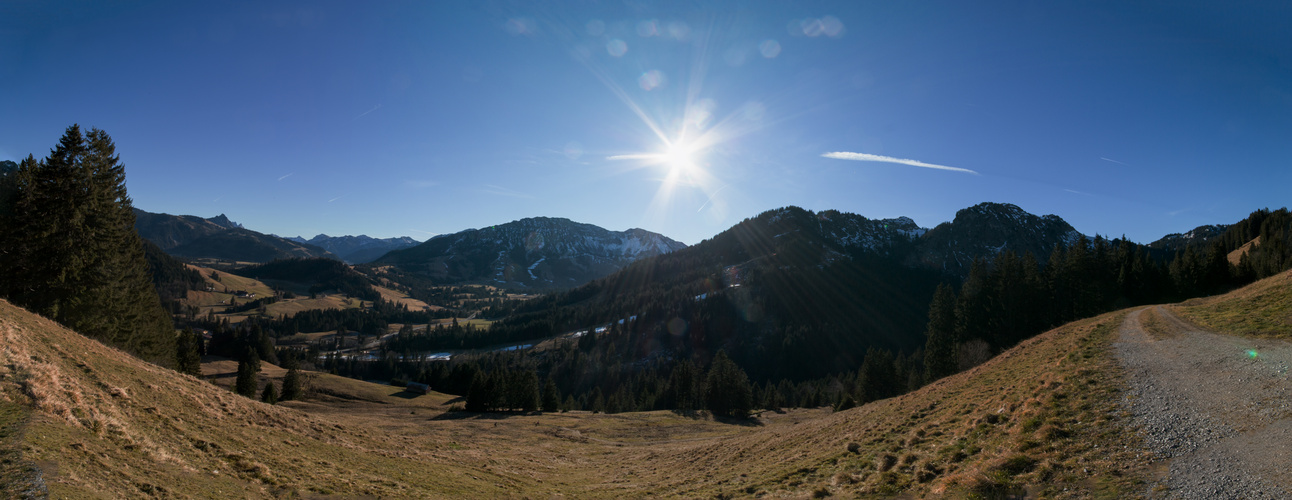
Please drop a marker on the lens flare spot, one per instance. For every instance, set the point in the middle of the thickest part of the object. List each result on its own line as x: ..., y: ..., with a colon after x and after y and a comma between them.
x: 648, y: 28
x: 677, y: 326
x: 651, y: 80
x: 770, y: 48
x: 1251, y: 353
x: 616, y: 47
x: 679, y: 30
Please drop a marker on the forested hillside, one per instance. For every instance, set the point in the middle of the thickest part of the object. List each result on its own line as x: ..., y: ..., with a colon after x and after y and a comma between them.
x: 812, y: 322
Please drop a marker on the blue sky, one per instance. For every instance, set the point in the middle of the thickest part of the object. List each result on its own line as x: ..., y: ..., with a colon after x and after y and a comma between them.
x: 421, y: 118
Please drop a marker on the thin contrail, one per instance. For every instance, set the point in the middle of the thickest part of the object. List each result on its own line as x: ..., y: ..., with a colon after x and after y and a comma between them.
x: 844, y: 155
x: 711, y: 197
x: 374, y: 108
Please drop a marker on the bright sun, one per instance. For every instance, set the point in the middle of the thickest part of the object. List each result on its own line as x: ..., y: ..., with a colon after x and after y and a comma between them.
x: 679, y: 157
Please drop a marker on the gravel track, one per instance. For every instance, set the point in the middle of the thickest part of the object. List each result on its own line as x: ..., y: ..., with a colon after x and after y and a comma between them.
x: 1215, y: 409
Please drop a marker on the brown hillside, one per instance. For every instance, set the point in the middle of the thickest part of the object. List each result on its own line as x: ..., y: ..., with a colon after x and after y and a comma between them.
x: 105, y: 424
x: 1040, y: 417
x: 1236, y: 256
x: 1262, y: 309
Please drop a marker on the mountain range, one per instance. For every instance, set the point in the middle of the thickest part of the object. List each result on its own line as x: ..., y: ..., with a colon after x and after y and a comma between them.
x: 357, y: 249
x: 796, y: 283
x: 537, y: 252
x: 218, y: 238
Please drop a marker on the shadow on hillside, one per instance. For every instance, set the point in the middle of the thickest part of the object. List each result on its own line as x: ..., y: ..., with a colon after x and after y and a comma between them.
x: 470, y: 415
x: 406, y: 394
x: 751, y: 421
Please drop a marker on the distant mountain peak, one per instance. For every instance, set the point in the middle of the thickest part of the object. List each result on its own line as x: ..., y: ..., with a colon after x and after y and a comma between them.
x: 218, y: 238
x: 986, y: 229
x: 535, y: 252
x: 223, y: 221
x: 1198, y: 235
x: 359, y: 249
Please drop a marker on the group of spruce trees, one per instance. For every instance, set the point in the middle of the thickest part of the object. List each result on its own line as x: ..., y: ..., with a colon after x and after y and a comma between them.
x: 725, y: 391
x: 247, y: 382
x: 1008, y: 299
x: 69, y: 250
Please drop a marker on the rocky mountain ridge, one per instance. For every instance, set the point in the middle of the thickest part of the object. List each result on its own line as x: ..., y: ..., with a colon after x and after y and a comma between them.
x: 217, y: 238
x: 1178, y: 241
x: 536, y: 252
x: 987, y: 229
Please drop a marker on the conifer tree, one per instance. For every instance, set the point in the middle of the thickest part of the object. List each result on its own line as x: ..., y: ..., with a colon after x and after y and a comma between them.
x: 248, y: 367
x: 940, y: 357
x: 478, y: 397
x: 598, y: 401
x: 526, y: 391
x: 71, y: 253
x: 270, y: 394
x: 551, y: 396
x: 187, y: 358
x: 878, y: 378
x: 292, y: 387
x: 682, y: 387
x: 727, y: 392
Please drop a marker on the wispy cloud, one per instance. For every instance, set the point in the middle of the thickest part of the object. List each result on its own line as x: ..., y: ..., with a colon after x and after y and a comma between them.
x: 502, y: 191
x: 843, y: 155
x: 428, y: 233
x: 1112, y: 160
x: 286, y: 176
x: 1082, y: 193
x: 337, y: 198
x: 361, y: 115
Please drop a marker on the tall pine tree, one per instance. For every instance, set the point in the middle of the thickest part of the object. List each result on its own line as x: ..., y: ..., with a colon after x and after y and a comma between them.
x: 70, y: 250
x: 248, y: 368
x: 187, y: 358
x: 727, y: 392
x: 940, y: 356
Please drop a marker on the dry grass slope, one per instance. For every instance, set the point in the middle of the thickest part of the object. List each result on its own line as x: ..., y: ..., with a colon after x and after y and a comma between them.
x: 1262, y: 309
x: 106, y: 425
x: 1039, y: 418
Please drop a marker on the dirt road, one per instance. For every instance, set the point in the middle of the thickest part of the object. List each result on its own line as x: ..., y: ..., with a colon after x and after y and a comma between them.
x: 1216, y: 409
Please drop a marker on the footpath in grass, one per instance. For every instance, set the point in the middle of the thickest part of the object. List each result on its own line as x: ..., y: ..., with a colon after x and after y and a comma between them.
x: 19, y: 478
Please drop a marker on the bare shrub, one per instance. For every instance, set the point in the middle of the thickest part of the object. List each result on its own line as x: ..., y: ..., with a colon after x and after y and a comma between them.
x: 973, y: 353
